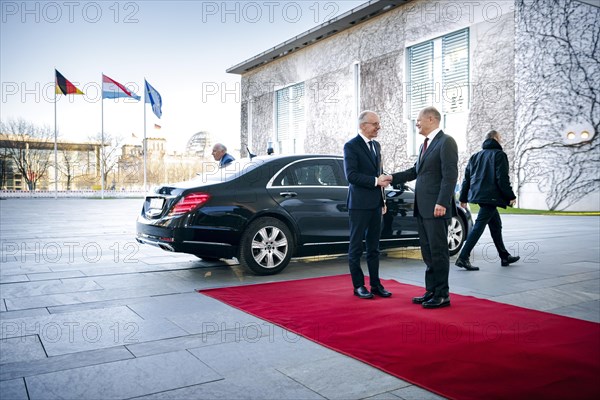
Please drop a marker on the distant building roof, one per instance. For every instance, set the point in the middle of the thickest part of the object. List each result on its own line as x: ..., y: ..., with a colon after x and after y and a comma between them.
x: 20, y: 141
x: 338, y: 24
x: 198, y: 143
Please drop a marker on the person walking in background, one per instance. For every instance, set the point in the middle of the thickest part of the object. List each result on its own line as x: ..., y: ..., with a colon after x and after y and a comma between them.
x: 436, y: 172
x: 362, y: 164
x: 219, y: 152
x: 487, y: 184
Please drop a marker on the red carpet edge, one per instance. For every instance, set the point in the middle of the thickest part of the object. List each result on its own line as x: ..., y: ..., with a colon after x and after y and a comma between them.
x: 474, y: 349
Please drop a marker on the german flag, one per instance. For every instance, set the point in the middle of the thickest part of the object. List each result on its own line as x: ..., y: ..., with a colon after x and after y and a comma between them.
x: 63, y: 86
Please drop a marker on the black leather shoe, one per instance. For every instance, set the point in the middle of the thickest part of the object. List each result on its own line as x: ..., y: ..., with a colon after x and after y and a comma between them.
x: 380, y: 291
x: 363, y: 293
x: 509, y: 260
x: 466, y: 264
x: 420, y: 300
x: 437, y: 302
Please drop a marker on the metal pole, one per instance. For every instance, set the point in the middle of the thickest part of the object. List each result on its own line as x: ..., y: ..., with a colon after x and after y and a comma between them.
x: 102, y: 147
x: 144, y: 142
x: 55, y: 144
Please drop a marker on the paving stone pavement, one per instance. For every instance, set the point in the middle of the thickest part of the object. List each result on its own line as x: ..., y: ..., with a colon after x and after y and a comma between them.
x: 87, y: 313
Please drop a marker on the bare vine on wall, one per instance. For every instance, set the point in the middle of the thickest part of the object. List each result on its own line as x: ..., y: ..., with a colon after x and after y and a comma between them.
x: 493, y: 104
x: 557, y: 85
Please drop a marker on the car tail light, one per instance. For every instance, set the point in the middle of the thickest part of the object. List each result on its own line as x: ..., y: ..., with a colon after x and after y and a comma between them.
x: 189, y: 203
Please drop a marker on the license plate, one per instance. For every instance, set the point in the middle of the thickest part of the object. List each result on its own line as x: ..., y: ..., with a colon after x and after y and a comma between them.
x: 156, y: 203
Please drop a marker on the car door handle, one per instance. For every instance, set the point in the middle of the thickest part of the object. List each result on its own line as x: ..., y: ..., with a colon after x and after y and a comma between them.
x: 288, y: 194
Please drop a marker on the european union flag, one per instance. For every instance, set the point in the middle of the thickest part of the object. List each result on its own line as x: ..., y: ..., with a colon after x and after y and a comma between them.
x: 153, y: 97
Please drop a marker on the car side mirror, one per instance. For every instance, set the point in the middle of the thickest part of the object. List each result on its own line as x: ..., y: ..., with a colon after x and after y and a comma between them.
x: 393, y: 191
x: 400, y: 186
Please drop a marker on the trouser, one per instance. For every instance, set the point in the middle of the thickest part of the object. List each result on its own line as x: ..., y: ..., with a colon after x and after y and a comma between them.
x: 488, y: 215
x: 433, y: 238
x: 364, y: 224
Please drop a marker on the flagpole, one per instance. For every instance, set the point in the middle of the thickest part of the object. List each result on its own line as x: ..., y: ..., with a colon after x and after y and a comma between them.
x: 144, y: 142
x: 102, y: 141
x: 55, y: 143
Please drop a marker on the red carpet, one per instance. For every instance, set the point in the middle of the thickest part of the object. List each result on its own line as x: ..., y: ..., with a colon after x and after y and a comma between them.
x: 475, y: 349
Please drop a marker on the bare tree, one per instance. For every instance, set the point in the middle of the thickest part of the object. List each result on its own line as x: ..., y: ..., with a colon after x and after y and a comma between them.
x: 557, y: 84
x: 29, y: 148
x: 156, y: 172
x: 70, y: 162
x: 131, y: 166
x: 112, y: 150
x: 4, y: 167
x: 493, y: 104
x: 184, y: 170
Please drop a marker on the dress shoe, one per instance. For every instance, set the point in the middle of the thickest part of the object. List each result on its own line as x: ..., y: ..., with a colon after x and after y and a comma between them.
x: 420, y: 300
x: 380, y: 291
x: 466, y: 264
x: 509, y: 260
x: 363, y: 293
x: 437, y: 302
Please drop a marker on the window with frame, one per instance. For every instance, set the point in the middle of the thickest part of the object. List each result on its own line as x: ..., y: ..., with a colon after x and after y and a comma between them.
x: 309, y: 174
x: 438, y: 75
x: 290, y: 126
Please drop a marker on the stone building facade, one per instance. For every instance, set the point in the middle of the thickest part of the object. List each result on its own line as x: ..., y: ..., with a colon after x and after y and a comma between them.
x: 527, y: 68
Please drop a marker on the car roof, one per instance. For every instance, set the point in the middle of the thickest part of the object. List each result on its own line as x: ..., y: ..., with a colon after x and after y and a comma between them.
x: 294, y: 157
x: 232, y: 171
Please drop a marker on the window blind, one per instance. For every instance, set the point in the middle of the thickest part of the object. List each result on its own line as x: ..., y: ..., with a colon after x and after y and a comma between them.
x: 455, y: 72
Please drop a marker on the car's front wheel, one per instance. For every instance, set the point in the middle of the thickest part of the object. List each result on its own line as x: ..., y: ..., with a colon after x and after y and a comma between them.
x: 266, y: 246
x: 457, y: 234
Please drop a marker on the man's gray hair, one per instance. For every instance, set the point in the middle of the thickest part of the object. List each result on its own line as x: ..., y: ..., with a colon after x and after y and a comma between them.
x: 220, y: 147
x: 363, y: 116
x: 433, y: 112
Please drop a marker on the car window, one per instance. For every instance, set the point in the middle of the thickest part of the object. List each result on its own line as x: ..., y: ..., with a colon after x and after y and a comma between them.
x: 309, y: 173
x: 213, y: 174
x: 287, y: 179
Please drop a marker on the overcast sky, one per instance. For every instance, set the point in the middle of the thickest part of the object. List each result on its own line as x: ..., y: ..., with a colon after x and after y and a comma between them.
x: 181, y: 47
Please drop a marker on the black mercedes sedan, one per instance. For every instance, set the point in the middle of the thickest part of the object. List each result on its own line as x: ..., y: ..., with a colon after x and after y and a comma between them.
x: 266, y: 210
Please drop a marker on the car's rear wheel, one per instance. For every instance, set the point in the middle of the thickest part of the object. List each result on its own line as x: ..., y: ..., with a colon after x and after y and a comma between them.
x: 266, y: 247
x: 457, y: 234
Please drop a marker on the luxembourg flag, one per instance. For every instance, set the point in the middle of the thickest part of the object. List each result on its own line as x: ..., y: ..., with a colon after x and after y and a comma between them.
x: 112, y: 89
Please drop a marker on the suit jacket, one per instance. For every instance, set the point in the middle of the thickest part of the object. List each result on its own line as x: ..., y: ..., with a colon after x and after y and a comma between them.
x: 226, y: 159
x: 361, y: 170
x: 436, y: 174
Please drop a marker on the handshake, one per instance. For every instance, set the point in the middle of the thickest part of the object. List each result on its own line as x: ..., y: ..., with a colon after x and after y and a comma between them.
x: 384, y: 180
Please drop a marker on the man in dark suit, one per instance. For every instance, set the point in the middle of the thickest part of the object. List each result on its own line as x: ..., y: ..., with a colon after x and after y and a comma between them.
x: 487, y: 183
x: 362, y: 163
x: 436, y: 172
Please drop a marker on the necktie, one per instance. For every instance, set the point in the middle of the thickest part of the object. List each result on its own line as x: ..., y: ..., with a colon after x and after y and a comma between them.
x: 372, y: 146
x: 424, y: 149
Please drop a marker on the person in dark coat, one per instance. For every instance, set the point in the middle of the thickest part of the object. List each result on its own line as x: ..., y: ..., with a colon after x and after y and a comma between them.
x: 487, y: 184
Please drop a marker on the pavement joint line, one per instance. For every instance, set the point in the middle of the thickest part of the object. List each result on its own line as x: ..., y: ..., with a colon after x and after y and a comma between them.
x: 114, y: 274
x: 135, y: 312
x: 554, y: 272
